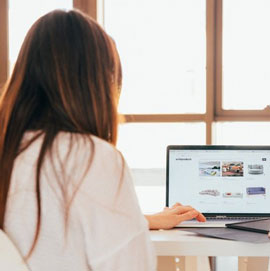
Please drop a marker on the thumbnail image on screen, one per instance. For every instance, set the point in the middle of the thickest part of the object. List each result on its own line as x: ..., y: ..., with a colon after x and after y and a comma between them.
x: 255, y: 169
x: 209, y: 168
x: 232, y: 169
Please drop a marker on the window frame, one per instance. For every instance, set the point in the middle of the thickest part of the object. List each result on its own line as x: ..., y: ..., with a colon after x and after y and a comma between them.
x: 87, y: 6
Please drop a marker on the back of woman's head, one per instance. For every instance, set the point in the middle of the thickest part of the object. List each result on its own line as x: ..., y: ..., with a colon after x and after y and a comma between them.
x: 66, y: 78
x: 67, y: 75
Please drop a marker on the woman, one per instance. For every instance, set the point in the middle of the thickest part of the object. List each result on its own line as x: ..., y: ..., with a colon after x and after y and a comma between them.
x: 67, y: 200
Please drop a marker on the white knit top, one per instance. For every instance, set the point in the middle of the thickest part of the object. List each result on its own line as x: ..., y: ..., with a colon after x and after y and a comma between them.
x: 90, y: 217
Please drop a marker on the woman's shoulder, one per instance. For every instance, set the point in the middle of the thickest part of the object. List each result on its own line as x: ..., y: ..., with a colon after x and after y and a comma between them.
x: 74, y: 149
x: 86, y: 143
x: 88, y: 152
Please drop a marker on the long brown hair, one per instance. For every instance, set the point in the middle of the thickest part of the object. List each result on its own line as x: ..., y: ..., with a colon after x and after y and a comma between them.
x: 66, y: 78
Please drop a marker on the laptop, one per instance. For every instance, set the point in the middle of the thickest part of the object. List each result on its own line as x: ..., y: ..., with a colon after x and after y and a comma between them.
x: 228, y: 184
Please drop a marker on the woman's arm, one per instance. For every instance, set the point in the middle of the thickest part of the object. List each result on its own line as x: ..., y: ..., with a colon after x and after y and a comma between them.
x: 170, y: 217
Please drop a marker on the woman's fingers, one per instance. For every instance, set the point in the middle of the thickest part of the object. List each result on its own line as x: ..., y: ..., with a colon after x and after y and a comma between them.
x: 201, y: 218
x: 188, y: 215
x: 185, y: 212
x: 181, y: 210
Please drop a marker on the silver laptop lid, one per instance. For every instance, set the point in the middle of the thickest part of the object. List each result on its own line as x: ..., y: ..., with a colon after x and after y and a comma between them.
x: 220, y: 180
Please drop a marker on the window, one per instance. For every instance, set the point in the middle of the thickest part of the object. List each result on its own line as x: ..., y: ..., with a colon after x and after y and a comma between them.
x: 239, y: 133
x: 242, y: 57
x: 193, y: 62
x: 246, y: 54
x: 162, y: 49
x: 144, y: 144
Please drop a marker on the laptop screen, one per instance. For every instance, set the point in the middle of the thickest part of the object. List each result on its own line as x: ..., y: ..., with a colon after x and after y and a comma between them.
x: 219, y: 179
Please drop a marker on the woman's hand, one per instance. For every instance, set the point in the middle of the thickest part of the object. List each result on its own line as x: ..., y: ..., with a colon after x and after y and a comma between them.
x: 170, y: 217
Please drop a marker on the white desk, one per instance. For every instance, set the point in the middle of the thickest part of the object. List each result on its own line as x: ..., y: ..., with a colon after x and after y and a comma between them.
x: 181, y: 243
